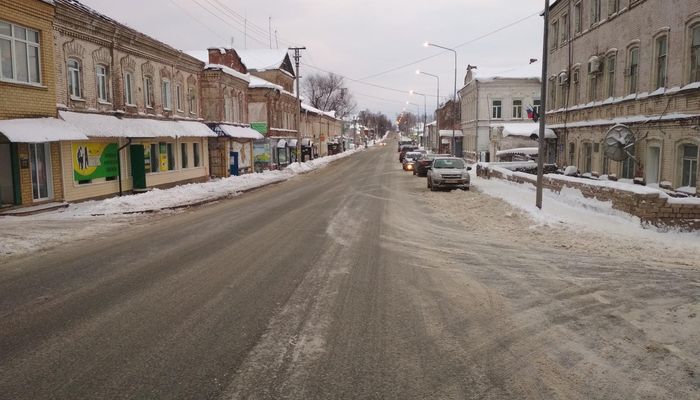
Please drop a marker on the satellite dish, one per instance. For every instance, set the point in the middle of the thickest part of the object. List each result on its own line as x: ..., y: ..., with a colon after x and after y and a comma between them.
x: 619, y: 142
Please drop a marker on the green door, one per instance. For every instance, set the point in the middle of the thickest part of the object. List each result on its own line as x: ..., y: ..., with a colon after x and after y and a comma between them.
x: 138, y: 169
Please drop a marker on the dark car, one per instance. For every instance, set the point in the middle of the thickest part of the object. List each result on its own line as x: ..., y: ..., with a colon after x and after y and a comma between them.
x: 409, y: 161
x: 423, y: 163
x: 404, y: 150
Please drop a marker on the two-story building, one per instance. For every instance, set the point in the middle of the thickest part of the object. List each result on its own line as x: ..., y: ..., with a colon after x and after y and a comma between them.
x: 494, y: 106
x: 631, y: 62
x: 449, y: 121
x: 318, y: 129
x: 30, y: 159
x: 135, y: 98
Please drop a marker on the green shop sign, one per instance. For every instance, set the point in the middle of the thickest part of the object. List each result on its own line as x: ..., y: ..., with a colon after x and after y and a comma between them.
x: 94, y: 160
x: 260, y: 127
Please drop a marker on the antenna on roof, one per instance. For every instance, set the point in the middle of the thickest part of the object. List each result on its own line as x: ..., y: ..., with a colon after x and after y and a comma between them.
x: 269, y: 29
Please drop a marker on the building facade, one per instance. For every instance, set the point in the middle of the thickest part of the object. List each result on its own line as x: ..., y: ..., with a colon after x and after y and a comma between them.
x: 29, y: 162
x: 486, y: 100
x: 134, y: 97
x: 631, y: 62
x: 449, y: 119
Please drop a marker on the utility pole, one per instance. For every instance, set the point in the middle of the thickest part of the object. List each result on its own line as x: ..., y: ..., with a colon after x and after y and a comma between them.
x: 543, y: 107
x: 269, y: 29
x: 297, y: 57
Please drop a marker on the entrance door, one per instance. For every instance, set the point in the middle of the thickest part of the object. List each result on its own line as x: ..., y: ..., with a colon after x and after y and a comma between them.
x: 138, y: 166
x: 653, y: 162
x: 6, y: 180
x: 233, y: 167
x: 40, y: 166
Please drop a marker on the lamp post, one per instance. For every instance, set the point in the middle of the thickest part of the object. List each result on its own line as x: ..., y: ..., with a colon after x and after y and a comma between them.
x: 454, y: 96
x: 417, y: 110
x: 437, y: 103
x: 425, y: 112
x: 543, y: 106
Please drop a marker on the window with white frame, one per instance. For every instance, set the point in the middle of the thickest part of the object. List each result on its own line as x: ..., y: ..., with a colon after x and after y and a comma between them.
x: 576, y: 79
x: 689, y: 165
x: 661, y: 53
x: 578, y: 18
x: 517, y: 109
x: 19, y: 54
x: 587, y: 149
x: 178, y: 97
x: 552, y: 85
x: 572, y: 152
x: 148, y: 95
x: 196, y: 154
x: 536, y: 105
x: 595, y: 11
x: 564, y: 28
x: 633, y: 70
x: 695, y: 53
x: 128, y: 88
x: 555, y: 36
x: 610, y: 62
x: 592, y: 87
x: 166, y: 94
x: 102, y: 83
x: 496, y: 109
x: 74, y: 86
x: 613, y: 6
x: 184, y: 162
x: 192, y: 101
x: 629, y: 165
x: 228, y: 116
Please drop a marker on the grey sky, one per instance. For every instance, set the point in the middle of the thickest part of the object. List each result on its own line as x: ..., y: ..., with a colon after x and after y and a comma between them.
x: 354, y: 38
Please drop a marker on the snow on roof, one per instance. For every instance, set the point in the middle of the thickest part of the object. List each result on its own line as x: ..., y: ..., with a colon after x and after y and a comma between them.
x: 262, y: 59
x: 228, y: 71
x: 531, y: 71
x: 241, y: 132
x: 201, y: 55
x: 99, y: 125
x: 315, y: 110
x: 38, y: 130
x: 448, y: 133
x: 256, y: 82
x: 526, y: 129
x: 530, y: 151
x: 625, y: 120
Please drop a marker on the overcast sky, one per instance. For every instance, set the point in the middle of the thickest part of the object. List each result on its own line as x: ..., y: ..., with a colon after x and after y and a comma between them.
x: 354, y: 38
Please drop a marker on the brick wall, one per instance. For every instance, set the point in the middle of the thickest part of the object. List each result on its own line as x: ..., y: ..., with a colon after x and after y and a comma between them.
x: 649, y: 207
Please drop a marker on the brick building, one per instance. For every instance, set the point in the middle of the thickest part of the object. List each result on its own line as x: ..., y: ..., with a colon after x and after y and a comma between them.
x: 135, y: 98
x: 635, y: 62
x: 319, y: 128
x: 30, y: 159
x: 449, y: 119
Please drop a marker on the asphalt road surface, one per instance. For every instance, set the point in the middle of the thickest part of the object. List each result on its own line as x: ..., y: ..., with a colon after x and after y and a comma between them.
x: 352, y: 282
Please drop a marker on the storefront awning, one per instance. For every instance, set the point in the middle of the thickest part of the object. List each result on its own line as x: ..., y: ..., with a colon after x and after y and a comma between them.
x: 98, y: 125
x: 306, y: 142
x: 281, y: 144
x: 38, y: 130
x: 448, y: 133
x: 292, y: 143
x: 241, y: 132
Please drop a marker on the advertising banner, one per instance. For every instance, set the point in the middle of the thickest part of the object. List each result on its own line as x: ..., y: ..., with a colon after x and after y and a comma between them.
x: 260, y: 127
x: 94, y: 160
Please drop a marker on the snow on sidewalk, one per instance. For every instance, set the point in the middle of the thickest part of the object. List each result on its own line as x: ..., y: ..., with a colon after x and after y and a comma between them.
x: 81, y: 221
x: 570, y: 208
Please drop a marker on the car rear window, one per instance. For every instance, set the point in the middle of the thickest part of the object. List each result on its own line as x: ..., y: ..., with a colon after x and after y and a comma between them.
x: 448, y: 163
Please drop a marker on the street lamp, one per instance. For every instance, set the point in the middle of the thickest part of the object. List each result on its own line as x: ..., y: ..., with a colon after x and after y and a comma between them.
x: 417, y: 109
x: 425, y: 112
x: 454, y: 98
x: 437, y: 102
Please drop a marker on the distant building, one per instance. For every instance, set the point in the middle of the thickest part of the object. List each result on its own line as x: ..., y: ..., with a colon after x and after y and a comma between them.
x: 635, y: 62
x: 448, y: 117
x: 497, y: 98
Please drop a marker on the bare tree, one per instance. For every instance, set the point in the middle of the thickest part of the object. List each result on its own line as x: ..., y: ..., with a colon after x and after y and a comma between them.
x: 327, y: 93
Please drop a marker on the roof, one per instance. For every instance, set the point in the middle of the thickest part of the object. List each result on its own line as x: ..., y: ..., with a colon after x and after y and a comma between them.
x: 530, y: 151
x: 315, y: 110
x: 524, y: 129
x: 100, y: 125
x: 448, y: 133
x: 228, y: 71
x: 38, y: 130
x: 263, y: 59
x: 256, y: 82
x: 240, y: 132
x: 490, y: 74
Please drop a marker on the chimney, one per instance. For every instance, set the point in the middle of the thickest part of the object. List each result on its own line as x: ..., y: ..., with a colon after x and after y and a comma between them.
x: 227, y: 57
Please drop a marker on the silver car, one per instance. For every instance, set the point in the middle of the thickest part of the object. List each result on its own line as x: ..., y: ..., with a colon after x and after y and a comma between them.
x: 448, y: 173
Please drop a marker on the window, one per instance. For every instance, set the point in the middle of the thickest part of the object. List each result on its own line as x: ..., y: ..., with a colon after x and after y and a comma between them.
x: 228, y: 108
x: 555, y: 36
x: 606, y: 162
x: 166, y: 95
x: 633, y: 70
x: 610, y: 76
x: 183, y: 155
x: 572, y: 153
x: 552, y: 85
x: 564, y: 28
x: 128, y: 88
x: 517, y: 109
x: 578, y: 18
x: 595, y: 11
x: 628, y: 165
x: 689, y: 165
x: 170, y: 151
x: 587, y: 157
x: 577, y: 86
x: 178, y: 97
x: 74, y: 78
x: 695, y: 54
x: 496, y: 109
x: 192, y: 101
x: 19, y: 54
x: 613, y: 6
x: 196, y: 153
x: 661, y: 53
x: 148, y: 91
x: 101, y: 74
x: 536, y: 106
x: 155, y: 159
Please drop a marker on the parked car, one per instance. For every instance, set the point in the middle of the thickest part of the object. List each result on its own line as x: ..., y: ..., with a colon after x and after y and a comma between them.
x: 423, y: 163
x: 405, y: 149
x: 448, y: 173
x: 409, y: 161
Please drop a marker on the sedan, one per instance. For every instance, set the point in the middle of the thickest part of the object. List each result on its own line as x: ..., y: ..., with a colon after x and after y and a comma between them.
x: 448, y: 173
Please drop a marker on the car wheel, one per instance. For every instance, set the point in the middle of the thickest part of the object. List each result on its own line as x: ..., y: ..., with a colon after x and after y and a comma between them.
x: 429, y: 183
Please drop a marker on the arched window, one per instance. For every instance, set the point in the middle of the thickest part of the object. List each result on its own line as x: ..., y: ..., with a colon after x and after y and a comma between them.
x: 689, y: 164
x: 660, y: 61
x: 610, y: 62
x: 101, y: 81
x: 74, y: 86
x: 633, y: 70
x: 129, y: 88
x: 148, y: 94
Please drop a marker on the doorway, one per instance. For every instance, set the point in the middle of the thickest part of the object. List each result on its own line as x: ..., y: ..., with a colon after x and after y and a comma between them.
x: 653, y: 164
x: 6, y: 180
x: 40, y: 168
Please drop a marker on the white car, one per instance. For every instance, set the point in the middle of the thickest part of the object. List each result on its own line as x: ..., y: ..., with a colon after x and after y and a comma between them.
x: 448, y: 173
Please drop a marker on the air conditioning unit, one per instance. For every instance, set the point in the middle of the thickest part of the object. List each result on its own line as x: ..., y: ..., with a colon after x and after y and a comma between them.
x: 563, y: 78
x: 595, y: 66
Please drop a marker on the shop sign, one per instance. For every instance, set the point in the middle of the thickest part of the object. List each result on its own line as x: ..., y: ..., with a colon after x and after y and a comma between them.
x: 261, y: 152
x: 94, y: 160
x: 163, y: 150
x: 260, y: 127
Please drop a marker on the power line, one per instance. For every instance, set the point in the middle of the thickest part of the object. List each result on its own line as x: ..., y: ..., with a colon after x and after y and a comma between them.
x: 197, y: 20
x: 455, y: 47
x: 223, y: 20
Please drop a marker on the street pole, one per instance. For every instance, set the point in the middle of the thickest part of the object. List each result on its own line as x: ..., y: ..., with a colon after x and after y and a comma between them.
x: 454, y: 95
x: 297, y: 57
x: 543, y: 107
x: 437, y: 105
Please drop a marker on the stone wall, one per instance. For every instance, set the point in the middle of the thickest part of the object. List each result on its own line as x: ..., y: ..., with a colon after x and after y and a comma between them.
x: 650, y: 207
